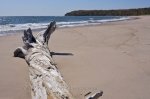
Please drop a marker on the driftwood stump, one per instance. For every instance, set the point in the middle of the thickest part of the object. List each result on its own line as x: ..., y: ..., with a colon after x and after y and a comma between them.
x: 46, y: 80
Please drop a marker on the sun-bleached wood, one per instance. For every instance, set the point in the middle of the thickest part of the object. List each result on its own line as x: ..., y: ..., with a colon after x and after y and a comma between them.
x: 46, y: 80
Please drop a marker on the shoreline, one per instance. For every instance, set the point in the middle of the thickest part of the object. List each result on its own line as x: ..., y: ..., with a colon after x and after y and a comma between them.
x: 109, y: 21
x: 111, y: 57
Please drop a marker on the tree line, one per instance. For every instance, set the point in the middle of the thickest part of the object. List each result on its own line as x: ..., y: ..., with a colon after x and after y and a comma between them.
x: 119, y: 12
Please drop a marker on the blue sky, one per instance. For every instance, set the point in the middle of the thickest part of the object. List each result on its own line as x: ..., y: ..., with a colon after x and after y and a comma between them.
x: 60, y: 7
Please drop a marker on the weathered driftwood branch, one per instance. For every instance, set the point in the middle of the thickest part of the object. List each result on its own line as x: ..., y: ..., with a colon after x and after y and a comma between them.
x: 46, y: 81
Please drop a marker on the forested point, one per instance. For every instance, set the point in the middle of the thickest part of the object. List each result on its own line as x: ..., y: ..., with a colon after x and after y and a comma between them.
x: 118, y: 12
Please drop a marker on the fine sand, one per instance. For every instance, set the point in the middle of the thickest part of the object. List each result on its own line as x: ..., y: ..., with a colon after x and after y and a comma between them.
x: 114, y: 58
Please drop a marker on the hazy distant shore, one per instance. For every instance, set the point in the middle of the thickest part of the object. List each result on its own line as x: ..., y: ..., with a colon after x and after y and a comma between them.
x: 111, y: 12
x: 111, y: 57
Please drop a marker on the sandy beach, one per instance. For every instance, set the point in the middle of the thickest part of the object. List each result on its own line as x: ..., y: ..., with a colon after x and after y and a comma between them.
x: 112, y: 57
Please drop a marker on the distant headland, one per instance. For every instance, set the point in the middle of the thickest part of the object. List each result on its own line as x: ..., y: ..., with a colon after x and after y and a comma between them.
x: 117, y: 12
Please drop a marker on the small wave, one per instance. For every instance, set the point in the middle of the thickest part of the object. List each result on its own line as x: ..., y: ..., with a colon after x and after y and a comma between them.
x: 68, y: 23
x: 89, y: 22
x: 91, y: 18
x: 7, y: 29
x: 15, y: 27
x: 12, y: 25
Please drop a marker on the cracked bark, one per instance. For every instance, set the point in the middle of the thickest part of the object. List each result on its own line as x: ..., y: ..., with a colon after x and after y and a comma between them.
x: 46, y: 80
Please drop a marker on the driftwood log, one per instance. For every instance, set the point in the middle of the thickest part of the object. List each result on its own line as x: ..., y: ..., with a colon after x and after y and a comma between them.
x: 46, y: 80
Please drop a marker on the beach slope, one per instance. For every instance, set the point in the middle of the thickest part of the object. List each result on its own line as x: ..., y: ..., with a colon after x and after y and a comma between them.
x: 113, y: 57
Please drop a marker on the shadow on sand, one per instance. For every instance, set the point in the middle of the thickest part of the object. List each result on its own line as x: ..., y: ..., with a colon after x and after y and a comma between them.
x: 60, y: 54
